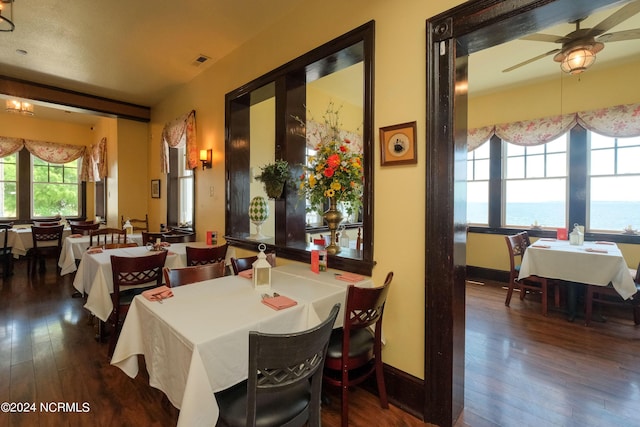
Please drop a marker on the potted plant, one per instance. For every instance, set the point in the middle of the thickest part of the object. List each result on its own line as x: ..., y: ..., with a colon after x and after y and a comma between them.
x: 274, y: 176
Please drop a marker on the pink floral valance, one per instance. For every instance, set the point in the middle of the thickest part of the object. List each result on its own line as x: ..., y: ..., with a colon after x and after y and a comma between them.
x: 179, y: 133
x: 620, y: 121
x: 53, y: 152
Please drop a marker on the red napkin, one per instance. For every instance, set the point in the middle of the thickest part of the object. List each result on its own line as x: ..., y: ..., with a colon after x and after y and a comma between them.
x: 279, y: 302
x: 541, y: 246
x: 75, y: 235
x: 349, y: 277
x: 92, y: 251
x: 600, y: 251
x: 158, y: 294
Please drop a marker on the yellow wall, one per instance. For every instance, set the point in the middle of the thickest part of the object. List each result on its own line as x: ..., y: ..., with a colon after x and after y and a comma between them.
x: 400, y: 97
x: 134, y: 186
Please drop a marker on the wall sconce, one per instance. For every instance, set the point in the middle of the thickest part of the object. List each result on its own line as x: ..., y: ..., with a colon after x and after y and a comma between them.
x: 205, y: 158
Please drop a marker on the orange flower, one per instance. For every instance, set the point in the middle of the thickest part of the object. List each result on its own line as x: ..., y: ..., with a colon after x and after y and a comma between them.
x: 328, y: 172
x: 333, y: 161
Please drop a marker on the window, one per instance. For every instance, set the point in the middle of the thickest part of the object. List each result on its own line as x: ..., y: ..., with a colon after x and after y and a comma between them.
x: 180, y: 191
x: 56, y: 190
x: 614, y: 180
x: 535, y: 180
x: 478, y: 185
x: 9, y: 186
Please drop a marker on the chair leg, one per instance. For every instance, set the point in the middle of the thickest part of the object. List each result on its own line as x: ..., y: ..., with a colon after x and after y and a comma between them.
x: 382, y: 391
x: 509, y: 293
x: 545, y: 303
x: 345, y: 398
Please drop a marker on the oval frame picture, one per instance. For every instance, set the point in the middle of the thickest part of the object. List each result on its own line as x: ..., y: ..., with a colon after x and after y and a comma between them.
x: 398, y: 144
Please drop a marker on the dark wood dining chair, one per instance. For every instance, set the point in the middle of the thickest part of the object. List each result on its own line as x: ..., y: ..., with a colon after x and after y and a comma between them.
x: 179, y: 237
x: 138, y: 224
x: 517, y: 244
x: 284, y: 383
x: 128, y: 274
x: 175, y: 277
x: 6, y: 257
x: 103, y: 236
x: 46, y: 223
x: 84, y: 229
x: 246, y: 263
x: 80, y: 222
x: 150, y: 237
x: 609, y: 296
x: 355, y: 352
x: 47, y: 242
x: 208, y: 255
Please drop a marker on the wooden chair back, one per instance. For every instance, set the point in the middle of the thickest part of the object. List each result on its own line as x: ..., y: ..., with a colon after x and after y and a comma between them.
x: 103, y: 236
x: 128, y: 274
x: 179, y: 237
x: 242, y: 264
x: 136, y: 223
x: 174, y: 277
x: 78, y: 222
x: 39, y: 236
x: 289, y: 364
x: 6, y: 257
x: 84, y: 229
x: 46, y: 223
x: 517, y: 244
x: 200, y: 256
x: 150, y: 237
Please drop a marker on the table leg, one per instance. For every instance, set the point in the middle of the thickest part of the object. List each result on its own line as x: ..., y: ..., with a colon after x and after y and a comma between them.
x: 572, y: 299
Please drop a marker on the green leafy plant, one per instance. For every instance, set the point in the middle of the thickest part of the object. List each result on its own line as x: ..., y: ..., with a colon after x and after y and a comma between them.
x: 274, y: 176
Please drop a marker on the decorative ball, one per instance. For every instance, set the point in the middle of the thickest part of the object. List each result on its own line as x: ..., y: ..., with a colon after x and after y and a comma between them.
x: 258, y: 210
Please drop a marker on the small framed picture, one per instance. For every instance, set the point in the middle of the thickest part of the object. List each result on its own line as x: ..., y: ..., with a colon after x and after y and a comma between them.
x: 155, y: 188
x: 398, y: 144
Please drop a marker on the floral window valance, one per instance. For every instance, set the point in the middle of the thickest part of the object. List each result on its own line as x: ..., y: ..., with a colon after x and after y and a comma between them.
x: 57, y: 153
x: 179, y: 133
x: 620, y: 121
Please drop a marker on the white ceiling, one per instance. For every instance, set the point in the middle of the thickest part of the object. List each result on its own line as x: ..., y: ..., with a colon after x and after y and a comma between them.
x: 138, y: 51
x: 485, y: 67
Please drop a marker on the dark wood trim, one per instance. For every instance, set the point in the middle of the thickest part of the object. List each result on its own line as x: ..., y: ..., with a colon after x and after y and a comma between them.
x: 403, y: 390
x: 451, y: 36
x: 481, y: 273
x: 80, y: 102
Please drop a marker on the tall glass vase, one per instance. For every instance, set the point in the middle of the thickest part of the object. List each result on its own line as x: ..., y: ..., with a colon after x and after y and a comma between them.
x: 333, y: 218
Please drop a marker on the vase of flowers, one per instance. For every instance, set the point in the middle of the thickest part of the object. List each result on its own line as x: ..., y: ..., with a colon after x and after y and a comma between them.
x: 334, y: 173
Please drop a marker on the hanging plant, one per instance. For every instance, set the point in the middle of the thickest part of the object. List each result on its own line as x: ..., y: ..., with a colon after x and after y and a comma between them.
x: 274, y: 176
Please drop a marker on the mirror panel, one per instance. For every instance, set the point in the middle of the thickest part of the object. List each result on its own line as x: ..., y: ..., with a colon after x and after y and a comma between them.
x: 262, y: 126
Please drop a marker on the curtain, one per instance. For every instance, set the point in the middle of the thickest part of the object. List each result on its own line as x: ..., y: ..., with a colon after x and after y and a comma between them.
x: 620, y: 121
x: 93, y: 158
x: 94, y: 164
x: 179, y: 133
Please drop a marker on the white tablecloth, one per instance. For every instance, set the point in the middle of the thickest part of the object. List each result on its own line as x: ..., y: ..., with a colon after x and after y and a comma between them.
x: 576, y: 264
x: 196, y: 343
x: 20, y: 240
x: 74, y: 247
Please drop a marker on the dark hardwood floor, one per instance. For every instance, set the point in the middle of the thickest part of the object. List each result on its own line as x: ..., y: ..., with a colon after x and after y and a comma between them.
x: 523, y: 369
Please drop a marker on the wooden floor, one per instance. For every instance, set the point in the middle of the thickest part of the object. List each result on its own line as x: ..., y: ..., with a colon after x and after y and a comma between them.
x: 522, y: 369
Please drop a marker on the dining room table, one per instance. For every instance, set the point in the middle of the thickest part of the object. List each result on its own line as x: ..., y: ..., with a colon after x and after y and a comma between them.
x: 195, y: 343
x: 94, y: 276
x: 75, y: 245
x: 20, y: 240
x: 597, y: 263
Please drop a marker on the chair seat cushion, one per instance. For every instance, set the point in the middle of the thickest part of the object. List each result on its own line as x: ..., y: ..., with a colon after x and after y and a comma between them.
x: 274, y: 408
x: 361, y: 342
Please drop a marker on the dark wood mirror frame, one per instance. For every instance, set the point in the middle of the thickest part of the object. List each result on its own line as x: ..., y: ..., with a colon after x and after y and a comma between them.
x: 288, y: 84
x: 451, y: 36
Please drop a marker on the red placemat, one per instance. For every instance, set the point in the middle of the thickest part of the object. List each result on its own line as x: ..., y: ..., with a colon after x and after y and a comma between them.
x: 279, y: 302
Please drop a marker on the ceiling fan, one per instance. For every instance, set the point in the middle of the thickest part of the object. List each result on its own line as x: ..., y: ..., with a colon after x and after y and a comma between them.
x: 579, y: 47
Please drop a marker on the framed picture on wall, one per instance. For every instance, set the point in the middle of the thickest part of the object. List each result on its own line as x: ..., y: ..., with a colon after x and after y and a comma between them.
x: 155, y: 188
x: 398, y: 144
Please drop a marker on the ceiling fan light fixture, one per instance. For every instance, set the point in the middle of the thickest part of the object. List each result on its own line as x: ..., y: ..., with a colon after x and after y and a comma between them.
x: 578, y: 58
x: 19, y: 107
x: 6, y: 24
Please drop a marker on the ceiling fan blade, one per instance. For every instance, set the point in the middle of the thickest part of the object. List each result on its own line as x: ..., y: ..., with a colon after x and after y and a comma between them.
x: 620, y: 36
x: 624, y: 13
x: 529, y: 61
x: 539, y: 37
